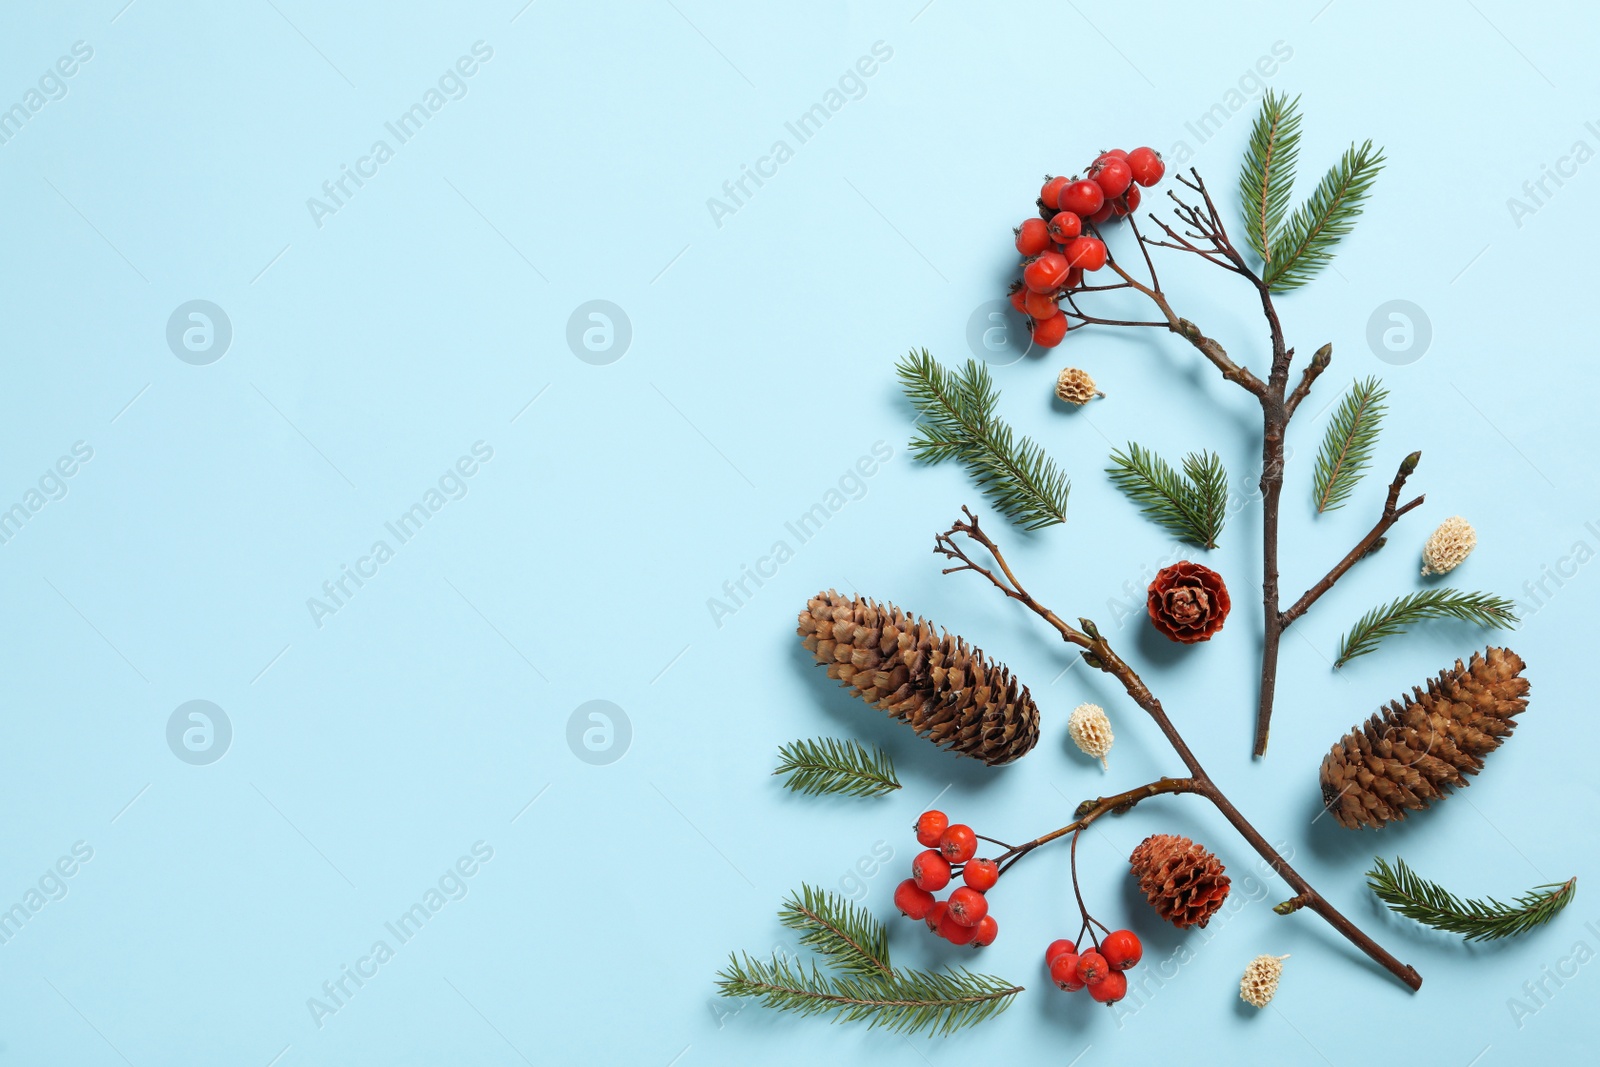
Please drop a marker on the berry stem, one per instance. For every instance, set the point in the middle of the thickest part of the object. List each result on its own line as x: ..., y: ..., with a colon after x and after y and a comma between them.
x: 1098, y: 653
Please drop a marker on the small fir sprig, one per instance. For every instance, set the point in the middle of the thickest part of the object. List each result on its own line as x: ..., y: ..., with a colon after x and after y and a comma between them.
x: 1306, y: 242
x: 1267, y: 176
x: 959, y: 422
x: 840, y: 931
x: 908, y: 1002
x: 1396, y: 616
x: 1192, y: 506
x: 1429, y: 903
x: 866, y: 988
x: 1347, y: 446
x: 829, y: 765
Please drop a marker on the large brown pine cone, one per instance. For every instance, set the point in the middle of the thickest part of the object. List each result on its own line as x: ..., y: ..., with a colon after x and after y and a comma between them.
x: 944, y: 688
x: 1411, y: 754
x: 1181, y: 880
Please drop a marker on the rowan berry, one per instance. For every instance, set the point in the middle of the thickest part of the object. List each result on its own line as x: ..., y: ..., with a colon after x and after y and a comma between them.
x: 981, y: 874
x: 1146, y: 165
x: 1064, y: 226
x: 930, y: 870
x: 1088, y: 253
x: 1051, y: 192
x: 1082, y: 197
x: 1122, y: 949
x: 1064, y: 972
x: 958, y: 843
x: 1033, y: 237
x: 1045, y: 273
x: 1092, y: 967
x: 967, y: 906
x: 913, y: 901
x: 930, y: 824
x: 988, y: 930
x: 1110, y: 989
x: 1047, y: 333
x: 1112, y: 175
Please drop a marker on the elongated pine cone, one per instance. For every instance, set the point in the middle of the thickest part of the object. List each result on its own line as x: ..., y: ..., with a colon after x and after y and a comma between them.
x: 944, y: 688
x: 1076, y: 387
x: 1260, y: 981
x: 1090, y: 730
x: 1181, y: 880
x: 1416, y: 749
x: 1449, y: 545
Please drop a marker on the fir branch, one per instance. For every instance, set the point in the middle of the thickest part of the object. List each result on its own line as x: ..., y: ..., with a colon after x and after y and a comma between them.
x: 1396, y: 616
x: 1348, y: 444
x: 904, y: 1002
x: 1267, y: 176
x: 958, y: 422
x: 828, y: 765
x: 841, y: 932
x: 1193, y: 507
x: 1429, y: 903
x: 1305, y: 244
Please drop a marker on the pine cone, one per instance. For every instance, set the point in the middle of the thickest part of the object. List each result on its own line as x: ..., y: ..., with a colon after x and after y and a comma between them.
x: 1449, y: 545
x: 1074, y: 386
x: 1409, y: 755
x: 1181, y: 880
x: 944, y: 688
x: 1090, y: 730
x: 1260, y: 981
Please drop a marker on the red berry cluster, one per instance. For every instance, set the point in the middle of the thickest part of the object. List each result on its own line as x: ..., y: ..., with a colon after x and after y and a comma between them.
x: 963, y: 918
x: 1056, y: 250
x: 1099, y: 968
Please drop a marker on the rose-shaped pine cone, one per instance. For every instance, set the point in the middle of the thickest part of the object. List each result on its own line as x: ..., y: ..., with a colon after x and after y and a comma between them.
x: 1181, y: 880
x: 943, y: 688
x: 1188, y: 602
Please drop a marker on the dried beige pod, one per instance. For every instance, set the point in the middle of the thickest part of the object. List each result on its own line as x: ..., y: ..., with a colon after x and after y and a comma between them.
x: 1090, y: 730
x: 1450, y: 544
x: 1076, y: 387
x: 1260, y: 980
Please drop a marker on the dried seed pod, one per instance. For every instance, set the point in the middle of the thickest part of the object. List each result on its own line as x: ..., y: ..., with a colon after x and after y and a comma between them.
x: 1260, y: 980
x: 1449, y: 545
x: 1090, y: 730
x: 1076, y: 387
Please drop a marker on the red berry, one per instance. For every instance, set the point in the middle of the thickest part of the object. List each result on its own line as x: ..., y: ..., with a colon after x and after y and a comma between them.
x: 1039, y: 306
x: 1112, y: 175
x: 913, y: 901
x: 930, y: 824
x: 1074, y: 277
x: 1060, y: 946
x: 1112, y: 153
x: 1110, y: 989
x: 1107, y: 209
x: 1064, y: 972
x: 988, y: 930
x: 1092, y: 967
x: 1082, y: 197
x: 936, y: 915
x: 968, y: 906
x: 1018, y: 295
x: 1127, y: 203
x: 1052, y: 191
x: 930, y: 870
x: 1122, y: 949
x: 1047, y: 333
x: 1046, y: 272
x: 954, y: 932
x: 1146, y: 165
x: 1088, y: 253
x: 1064, y: 226
x: 981, y: 874
x: 1033, y: 237
x: 959, y: 843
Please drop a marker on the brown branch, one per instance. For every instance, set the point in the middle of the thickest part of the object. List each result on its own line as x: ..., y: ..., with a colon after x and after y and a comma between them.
x: 1392, y: 510
x: 1098, y: 653
x: 1319, y: 363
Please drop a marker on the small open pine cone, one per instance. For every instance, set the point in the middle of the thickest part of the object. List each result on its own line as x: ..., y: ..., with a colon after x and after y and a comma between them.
x: 1260, y: 981
x: 1181, y: 880
x: 1449, y: 546
x: 1188, y: 602
x: 1090, y: 730
x: 1076, y: 387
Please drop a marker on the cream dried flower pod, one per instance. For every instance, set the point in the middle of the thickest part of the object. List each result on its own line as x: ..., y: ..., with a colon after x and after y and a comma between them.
x: 1260, y: 980
x: 1076, y: 387
x: 1450, y: 544
x: 1090, y: 730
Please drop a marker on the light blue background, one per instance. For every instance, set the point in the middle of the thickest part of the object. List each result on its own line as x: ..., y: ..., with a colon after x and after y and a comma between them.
x: 370, y: 353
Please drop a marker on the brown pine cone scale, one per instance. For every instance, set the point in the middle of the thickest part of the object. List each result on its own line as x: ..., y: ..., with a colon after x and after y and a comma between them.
x: 1415, y: 750
x: 944, y: 688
